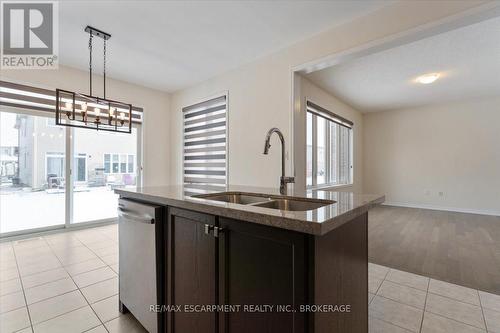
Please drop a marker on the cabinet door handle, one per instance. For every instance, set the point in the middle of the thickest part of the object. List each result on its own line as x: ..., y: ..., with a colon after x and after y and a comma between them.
x: 208, y: 227
x: 217, y: 231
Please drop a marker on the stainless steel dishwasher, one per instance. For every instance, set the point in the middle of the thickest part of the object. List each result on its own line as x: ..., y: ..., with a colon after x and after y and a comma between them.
x: 138, y: 226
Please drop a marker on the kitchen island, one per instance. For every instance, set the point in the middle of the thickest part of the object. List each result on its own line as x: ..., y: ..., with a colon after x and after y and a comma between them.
x: 252, y: 260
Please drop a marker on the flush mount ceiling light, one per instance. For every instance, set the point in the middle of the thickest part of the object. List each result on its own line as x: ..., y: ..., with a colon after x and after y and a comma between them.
x: 89, y: 111
x: 427, y: 78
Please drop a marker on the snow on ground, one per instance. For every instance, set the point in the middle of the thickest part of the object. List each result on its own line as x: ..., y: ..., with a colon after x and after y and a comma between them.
x: 26, y: 210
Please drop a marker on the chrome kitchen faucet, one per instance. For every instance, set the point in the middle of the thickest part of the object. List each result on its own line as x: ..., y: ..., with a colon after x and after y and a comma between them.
x: 283, y: 179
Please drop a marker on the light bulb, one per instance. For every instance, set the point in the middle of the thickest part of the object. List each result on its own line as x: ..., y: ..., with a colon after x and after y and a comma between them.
x: 122, y: 115
x: 428, y: 78
x: 68, y: 106
x: 84, y: 107
x: 97, y: 111
x: 111, y: 111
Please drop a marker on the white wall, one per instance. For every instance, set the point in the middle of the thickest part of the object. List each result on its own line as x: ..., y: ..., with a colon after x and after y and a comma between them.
x: 310, y: 91
x: 412, y: 155
x: 260, y: 93
x: 156, y: 150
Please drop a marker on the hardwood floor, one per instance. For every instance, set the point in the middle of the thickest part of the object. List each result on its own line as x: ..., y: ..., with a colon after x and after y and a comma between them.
x: 456, y: 247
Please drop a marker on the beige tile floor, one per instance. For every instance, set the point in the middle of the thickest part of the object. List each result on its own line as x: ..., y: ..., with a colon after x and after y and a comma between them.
x: 65, y: 282
x: 68, y: 282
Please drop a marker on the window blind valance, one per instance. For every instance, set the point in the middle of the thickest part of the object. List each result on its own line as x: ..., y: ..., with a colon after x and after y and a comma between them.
x: 27, y: 97
x: 322, y: 112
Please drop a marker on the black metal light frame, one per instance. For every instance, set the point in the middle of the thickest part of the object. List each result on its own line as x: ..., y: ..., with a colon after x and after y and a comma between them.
x: 103, y: 122
x: 76, y: 117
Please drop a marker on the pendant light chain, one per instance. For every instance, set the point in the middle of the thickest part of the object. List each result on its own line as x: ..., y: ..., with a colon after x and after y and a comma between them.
x: 104, y: 68
x: 90, y: 60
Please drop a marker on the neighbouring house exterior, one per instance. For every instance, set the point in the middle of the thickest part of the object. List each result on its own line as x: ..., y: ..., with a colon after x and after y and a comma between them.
x: 100, y: 158
x: 8, y: 162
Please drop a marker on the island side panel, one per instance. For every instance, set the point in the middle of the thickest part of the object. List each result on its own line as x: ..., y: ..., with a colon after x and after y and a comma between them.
x: 340, y: 265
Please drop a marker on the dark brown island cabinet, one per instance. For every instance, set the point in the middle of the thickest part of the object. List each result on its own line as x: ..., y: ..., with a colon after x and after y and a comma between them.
x: 224, y: 275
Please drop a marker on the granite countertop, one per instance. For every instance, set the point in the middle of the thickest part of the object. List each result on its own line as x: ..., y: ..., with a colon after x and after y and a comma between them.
x: 346, y: 206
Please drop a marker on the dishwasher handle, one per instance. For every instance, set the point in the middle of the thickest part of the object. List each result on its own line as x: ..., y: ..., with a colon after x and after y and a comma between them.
x: 137, y: 218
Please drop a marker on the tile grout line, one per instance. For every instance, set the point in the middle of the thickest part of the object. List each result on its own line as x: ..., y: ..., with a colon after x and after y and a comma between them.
x: 376, y: 294
x: 77, y: 288
x: 454, y: 299
x: 461, y: 322
x: 102, y: 323
x: 429, y: 292
x: 66, y: 277
x: 51, y: 250
x: 456, y: 321
x: 482, y: 311
x: 22, y: 287
x: 432, y: 276
x: 399, y: 302
x: 424, y: 310
x: 61, y: 314
x: 396, y: 325
x: 425, y: 305
x: 86, y: 300
x: 12, y: 292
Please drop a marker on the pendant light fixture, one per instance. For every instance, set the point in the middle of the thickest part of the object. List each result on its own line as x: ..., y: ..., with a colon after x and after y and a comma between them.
x: 89, y: 111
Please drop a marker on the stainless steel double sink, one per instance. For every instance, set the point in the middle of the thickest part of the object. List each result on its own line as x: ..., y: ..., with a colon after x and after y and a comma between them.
x: 267, y: 201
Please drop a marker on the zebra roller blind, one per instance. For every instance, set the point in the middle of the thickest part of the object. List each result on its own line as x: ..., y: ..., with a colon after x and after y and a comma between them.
x: 205, y: 143
x: 21, y: 96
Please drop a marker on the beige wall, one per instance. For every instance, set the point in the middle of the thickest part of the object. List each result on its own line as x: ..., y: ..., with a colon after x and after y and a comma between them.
x: 260, y: 93
x: 309, y: 91
x: 156, y: 145
x: 413, y: 155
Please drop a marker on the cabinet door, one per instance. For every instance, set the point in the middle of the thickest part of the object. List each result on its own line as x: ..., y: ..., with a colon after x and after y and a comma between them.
x: 192, y: 271
x: 260, y: 265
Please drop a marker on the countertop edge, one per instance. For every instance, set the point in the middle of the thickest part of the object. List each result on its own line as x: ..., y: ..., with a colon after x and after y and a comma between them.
x: 286, y: 223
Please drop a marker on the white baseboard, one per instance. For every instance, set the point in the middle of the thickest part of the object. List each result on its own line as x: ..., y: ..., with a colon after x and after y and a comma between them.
x: 448, y: 209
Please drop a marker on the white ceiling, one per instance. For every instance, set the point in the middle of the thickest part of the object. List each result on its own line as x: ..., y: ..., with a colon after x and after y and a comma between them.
x: 169, y: 45
x: 467, y: 58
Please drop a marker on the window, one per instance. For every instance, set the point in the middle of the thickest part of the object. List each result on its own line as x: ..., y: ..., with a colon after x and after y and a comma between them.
x: 329, y: 148
x: 130, y: 163
x: 107, y: 163
x: 41, y: 156
x: 119, y: 163
x: 123, y: 163
x: 55, y: 165
x: 205, y: 142
x: 81, y: 167
x: 116, y: 163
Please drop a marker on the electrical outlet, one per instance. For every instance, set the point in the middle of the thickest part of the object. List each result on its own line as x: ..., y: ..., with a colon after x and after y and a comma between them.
x: 441, y: 194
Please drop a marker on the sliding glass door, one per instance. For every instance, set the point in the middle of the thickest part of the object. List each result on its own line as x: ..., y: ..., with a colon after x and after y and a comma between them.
x: 32, y: 164
x: 103, y: 161
x: 41, y: 187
